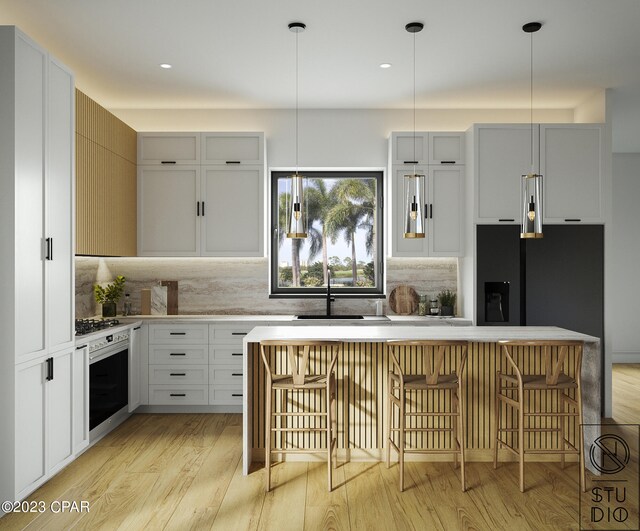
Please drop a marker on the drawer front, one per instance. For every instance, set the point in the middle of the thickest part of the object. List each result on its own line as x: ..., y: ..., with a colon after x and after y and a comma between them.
x: 190, y: 395
x: 229, y: 335
x: 225, y: 375
x: 179, y: 374
x: 225, y: 395
x: 232, y: 148
x: 179, y: 334
x: 225, y: 355
x: 169, y: 148
x: 191, y: 355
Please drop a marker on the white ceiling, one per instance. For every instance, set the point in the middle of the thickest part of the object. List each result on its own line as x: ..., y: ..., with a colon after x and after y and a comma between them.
x: 240, y: 54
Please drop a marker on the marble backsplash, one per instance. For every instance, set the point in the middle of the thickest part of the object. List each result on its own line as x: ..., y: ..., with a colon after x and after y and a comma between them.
x: 241, y: 285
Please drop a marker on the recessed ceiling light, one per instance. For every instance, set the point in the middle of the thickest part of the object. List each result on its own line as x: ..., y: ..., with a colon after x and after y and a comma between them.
x: 165, y: 65
x: 385, y: 65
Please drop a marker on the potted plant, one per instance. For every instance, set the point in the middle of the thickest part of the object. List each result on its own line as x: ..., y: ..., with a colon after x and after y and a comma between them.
x: 109, y: 295
x: 447, y: 300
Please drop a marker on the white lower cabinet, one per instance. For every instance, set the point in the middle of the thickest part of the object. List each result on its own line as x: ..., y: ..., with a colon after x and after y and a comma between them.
x: 134, y: 367
x: 178, y: 395
x: 80, y: 399
x: 225, y: 363
x: 44, y: 406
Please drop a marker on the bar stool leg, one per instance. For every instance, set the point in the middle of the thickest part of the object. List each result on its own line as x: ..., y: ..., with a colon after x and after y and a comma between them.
x: 561, y: 421
x: 496, y: 421
x: 521, y: 436
x: 387, y: 423
x: 267, y: 435
x: 454, y: 426
x: 329, y: 437
x: 583, y: 483
x: 402, y: 425
x: 463, y: 439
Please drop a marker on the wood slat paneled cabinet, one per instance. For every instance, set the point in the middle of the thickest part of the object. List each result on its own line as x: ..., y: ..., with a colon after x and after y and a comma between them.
x: 37, y: 282
x: 201, y: 194
x: 440, y: 158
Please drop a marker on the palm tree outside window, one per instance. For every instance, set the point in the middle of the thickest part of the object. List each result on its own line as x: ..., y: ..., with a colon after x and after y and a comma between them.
x: 344, y: 236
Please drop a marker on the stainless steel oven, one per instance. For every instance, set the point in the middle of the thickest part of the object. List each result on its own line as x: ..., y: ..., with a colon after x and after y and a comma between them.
x: 108, y: 383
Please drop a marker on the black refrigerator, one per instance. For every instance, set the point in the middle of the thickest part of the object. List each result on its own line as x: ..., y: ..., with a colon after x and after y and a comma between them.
x: 557, y: 280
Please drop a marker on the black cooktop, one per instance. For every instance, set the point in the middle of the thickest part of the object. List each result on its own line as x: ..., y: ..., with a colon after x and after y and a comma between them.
x: 86, y: 326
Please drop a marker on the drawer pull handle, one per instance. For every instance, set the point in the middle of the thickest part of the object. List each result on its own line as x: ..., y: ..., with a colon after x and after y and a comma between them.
x: 411, y: 162
x: 239, y: 333
x: 178, y: 354
x: 236, y: 374
x: 177, y: 333
x: 506, y: 219
x: 236, y: 353
x: 177, y: 374
x: 573, y: 219
x: 168, y: 162
x: 447, y: 162
x: 236, y: 394
x: 232, y: 162
x: 177, y: 394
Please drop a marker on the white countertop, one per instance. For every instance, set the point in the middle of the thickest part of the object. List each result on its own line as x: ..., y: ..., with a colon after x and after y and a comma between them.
x: 368, y: 319
x: 374, y: 333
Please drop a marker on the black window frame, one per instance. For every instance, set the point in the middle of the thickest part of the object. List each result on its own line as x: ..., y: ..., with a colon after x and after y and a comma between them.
x: 303, y: 292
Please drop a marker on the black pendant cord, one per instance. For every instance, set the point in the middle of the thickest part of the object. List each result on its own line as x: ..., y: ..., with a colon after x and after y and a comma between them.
x: 414, y: 102
x: 531, y: 95
x: 296, y: 103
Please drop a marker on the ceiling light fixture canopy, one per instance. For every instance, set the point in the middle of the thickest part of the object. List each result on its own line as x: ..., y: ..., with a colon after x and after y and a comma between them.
x: 414, y: 183
x: 296, y: 208
x: 531, y: 184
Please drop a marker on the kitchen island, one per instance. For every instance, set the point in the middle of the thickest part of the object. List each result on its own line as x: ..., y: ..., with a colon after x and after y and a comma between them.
x: 362, y: 368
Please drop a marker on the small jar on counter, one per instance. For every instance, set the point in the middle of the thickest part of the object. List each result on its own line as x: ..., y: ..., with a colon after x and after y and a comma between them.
x: 433, y: 307
x: 422, y: 305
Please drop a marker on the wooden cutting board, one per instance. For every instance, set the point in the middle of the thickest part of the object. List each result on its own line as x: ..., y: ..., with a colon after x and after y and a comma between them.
x: 403, y: 300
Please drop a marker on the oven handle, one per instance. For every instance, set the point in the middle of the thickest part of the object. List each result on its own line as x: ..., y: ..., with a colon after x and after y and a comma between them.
x: 105, y: 353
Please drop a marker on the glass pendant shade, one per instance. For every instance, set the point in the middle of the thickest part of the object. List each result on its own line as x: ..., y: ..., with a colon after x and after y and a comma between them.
x: 414, y: 201
x: 531, y: 200
x: 296, y: 209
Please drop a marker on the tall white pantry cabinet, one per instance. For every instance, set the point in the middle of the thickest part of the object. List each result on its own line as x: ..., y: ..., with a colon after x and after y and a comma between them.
x: 37, y: 191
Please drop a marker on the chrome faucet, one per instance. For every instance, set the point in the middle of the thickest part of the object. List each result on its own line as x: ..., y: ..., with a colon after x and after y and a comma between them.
x: 330, y: 299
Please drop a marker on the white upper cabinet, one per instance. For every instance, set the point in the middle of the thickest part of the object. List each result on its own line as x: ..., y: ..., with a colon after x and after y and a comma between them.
x: 443, y: 213
x: 571, y: 162
x: 168, y: 148
x: 409, y: 148
x: 214, y: 207
x: 446, y: 148
x: 232, y: 148
x: 233, y: 209
x: 169, y: 211
x: 502, y: 154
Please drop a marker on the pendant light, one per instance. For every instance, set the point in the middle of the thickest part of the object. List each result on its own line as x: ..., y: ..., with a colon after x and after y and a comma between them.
x: 413, y: 183
x: 531, y: 185
x: 296, y: 208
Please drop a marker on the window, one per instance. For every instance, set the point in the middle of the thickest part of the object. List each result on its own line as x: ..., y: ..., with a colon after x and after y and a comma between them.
x: 344, y: 235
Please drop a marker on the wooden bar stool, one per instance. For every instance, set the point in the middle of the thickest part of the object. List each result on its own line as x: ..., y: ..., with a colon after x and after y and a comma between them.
x: 427, y: 375
x: 533, y: 394
x: 291, y: 372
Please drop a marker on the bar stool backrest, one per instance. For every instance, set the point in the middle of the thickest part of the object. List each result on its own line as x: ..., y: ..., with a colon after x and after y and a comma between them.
x: 297, y: 357
x: 431, y: 367
x: 555, y: 357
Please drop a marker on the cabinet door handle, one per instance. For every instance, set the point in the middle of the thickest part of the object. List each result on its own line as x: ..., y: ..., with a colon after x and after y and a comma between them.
x: 236, y: 353
x: 81, y: 347
x: 239, y: 333
x: 236, y: 374
x: 177, y: 333
x: 572, y: 219
x: 137, y: 328
x: 236, y: 394
x: 49, y: 369
x: 411, y: 162
x: 447, y: 162
x: 178, y: 354
x: 431, y: 211
x: 197, y: 208
x: 167, y: 162
x: 506, y: 219
x: 233, y: 162
x: 47, y: 252
x: 177, y: 394
x: 177, y: 374
x: 203, y: 208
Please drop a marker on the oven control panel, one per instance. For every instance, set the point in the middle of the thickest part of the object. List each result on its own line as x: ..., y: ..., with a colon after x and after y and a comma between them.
x: 109, y: 340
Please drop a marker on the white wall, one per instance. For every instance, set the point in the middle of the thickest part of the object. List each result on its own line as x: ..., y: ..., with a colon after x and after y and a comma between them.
x: 327, y: 137
x: 591, y: 110
x: 625, y: 119
x: 625, y: 287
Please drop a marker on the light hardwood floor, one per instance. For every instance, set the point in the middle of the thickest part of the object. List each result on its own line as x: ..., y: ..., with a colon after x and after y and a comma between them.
x: 179, y: 472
